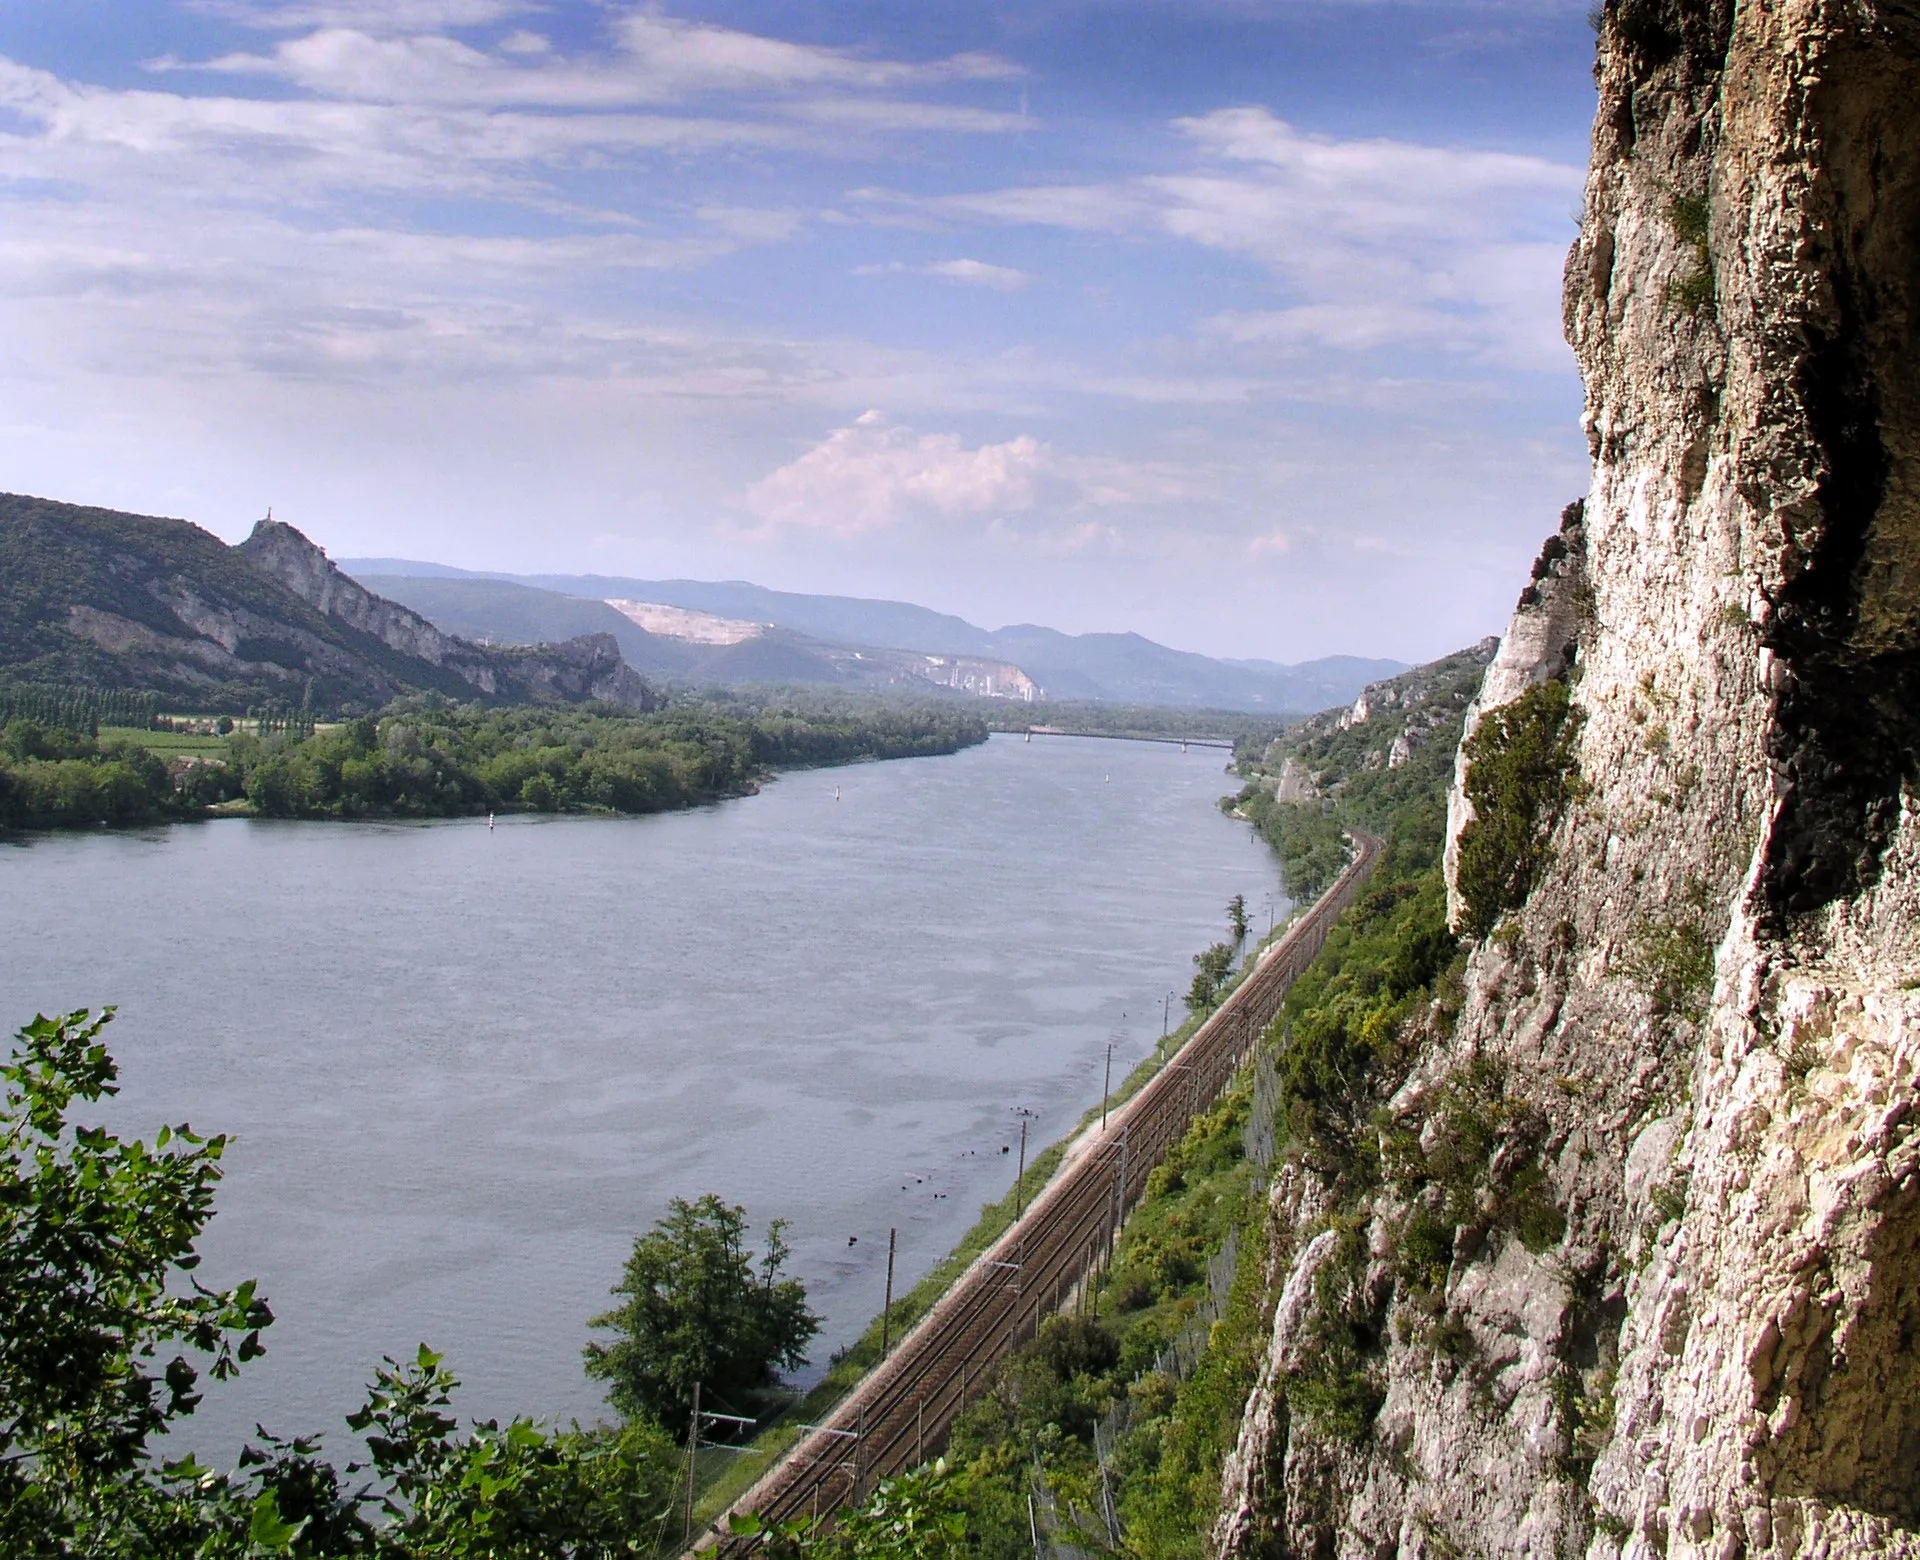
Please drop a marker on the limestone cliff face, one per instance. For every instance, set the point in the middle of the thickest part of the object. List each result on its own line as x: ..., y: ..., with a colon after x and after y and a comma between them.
x: 1722, y: 1355
x: 286, y: 554
x: 586, y: 667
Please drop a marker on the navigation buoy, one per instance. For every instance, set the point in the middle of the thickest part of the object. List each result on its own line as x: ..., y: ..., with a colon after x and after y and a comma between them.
x: 489, y: 823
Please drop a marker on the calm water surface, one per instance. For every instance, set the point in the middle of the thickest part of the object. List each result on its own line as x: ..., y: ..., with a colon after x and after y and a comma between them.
x: 466, y: 1067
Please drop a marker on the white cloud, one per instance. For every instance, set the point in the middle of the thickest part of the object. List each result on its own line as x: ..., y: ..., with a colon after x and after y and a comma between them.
x: 964, y: 273
x: 698, y: 57
x: 655, y: 59
x: 881, y: 114
x: 978, y: 273
x: 1381, y: 243
x: 872, y: 474
x: 396, y: 16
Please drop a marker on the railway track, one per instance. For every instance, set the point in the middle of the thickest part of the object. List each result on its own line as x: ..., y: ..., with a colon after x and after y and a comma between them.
x: 899, y: 1415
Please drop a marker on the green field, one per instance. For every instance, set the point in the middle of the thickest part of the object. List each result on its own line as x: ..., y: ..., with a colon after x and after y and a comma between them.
x: 166, y: 744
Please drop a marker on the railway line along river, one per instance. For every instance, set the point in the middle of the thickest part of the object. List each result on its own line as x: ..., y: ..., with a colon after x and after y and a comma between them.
x: 465, y: 1068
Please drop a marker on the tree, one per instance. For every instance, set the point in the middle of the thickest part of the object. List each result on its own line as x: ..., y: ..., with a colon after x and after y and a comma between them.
x: 513, y: 1492
x: 1212, y: 966
x: 98, y: 1285
x: 695, y: 1309
x: 1237, y: 922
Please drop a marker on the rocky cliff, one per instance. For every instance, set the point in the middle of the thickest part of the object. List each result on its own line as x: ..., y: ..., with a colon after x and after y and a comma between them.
x: 583, y: 668
x: 1688, y: 1025
x: 100, y: 598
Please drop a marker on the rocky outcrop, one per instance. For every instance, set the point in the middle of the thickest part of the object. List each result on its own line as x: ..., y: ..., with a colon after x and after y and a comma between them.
x: 276, y: 548
x: 576, y: 670
x: 1539, y: 644
x: 1708, y: 1001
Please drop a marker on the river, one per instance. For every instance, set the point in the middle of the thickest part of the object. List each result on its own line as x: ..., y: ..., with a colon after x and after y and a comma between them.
x: 465, y: 1067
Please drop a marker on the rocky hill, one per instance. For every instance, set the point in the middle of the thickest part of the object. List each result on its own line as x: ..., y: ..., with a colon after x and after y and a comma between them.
x: 1609, y: 1243
x: 103, y: 599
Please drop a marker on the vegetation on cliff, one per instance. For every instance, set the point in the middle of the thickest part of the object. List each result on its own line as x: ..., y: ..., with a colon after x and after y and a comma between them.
x: 1520, y: 777
x: 1367, y: 771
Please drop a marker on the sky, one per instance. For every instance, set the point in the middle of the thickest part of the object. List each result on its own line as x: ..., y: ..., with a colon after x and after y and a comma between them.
x: 1235, y: 323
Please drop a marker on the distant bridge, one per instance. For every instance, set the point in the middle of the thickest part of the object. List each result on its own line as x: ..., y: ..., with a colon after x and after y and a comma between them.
x: 1125, y: 736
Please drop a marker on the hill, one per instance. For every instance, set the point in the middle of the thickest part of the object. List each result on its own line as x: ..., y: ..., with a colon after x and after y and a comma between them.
x: 97, y: 598
x: 818, y: 635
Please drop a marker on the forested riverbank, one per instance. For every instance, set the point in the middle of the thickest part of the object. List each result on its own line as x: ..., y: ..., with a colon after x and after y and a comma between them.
x: 425, y: 757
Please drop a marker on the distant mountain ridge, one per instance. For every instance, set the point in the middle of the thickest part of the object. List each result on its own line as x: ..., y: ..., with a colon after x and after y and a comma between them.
x: 812, y: 634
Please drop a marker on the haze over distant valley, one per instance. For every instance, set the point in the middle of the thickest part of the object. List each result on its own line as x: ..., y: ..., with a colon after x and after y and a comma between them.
x: 731, y: 631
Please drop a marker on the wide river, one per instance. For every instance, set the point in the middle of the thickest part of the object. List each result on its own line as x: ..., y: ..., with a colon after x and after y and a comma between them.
x: 466, y: 1067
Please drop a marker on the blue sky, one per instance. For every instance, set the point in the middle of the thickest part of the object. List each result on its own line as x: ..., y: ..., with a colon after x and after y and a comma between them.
x: 1232, y: 322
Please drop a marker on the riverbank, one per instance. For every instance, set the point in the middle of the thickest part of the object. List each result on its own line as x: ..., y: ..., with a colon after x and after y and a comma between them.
x: 633, y: 1010
x: 727, y: 1474
x: 426, y: 758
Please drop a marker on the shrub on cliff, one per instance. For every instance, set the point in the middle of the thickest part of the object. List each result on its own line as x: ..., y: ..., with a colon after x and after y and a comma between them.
x: 1520, y: 777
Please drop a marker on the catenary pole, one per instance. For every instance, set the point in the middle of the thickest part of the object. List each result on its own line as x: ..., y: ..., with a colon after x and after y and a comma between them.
x: 886, y: 1311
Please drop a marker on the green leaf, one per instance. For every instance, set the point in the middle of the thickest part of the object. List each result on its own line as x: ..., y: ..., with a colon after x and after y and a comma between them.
x: 267, y: 1530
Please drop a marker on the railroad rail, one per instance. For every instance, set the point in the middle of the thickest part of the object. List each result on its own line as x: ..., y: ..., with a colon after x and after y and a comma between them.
x: 899, y: 1415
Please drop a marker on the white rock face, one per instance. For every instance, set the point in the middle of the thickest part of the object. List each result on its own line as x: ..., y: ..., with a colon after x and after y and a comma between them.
x: 586, y: 667
x: 1295, y: 784
x: 1721, y: 1358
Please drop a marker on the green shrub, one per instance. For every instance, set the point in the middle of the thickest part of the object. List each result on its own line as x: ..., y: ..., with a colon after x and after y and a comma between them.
x: 1426, y: 1250
x: 1520, y: 777
x: 1671, y: 960
x: 1689, y: 216
x: 1335, y: 1390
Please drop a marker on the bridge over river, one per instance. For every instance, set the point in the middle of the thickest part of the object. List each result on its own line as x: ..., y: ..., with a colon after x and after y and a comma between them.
x: 899, y: 1415
x: 1183, y: 743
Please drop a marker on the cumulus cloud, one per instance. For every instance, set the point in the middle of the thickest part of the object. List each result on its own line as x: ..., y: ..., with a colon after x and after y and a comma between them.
x: 872, y: 473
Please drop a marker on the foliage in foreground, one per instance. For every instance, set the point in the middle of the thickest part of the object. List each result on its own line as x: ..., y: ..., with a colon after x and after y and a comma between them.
x: 917, y: 1516
x: 106, y: 1330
